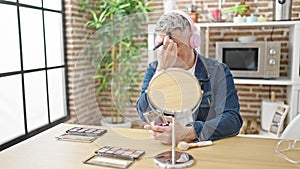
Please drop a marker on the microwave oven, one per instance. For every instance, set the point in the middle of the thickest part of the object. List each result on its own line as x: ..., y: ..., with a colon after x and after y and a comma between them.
x: 251, y: 59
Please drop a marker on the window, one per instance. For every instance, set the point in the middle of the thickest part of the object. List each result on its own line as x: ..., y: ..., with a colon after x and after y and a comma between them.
x: 33, y: 94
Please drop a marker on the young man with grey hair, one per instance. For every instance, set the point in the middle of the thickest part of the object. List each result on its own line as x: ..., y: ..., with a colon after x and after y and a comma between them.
x: 218, y: 113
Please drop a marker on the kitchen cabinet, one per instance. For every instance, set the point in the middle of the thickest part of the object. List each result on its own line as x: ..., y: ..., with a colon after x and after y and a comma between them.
x: 292, y: 81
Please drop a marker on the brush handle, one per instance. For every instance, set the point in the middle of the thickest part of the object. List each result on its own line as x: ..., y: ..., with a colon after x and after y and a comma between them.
x: 161, y: 43
x: 200, y: 144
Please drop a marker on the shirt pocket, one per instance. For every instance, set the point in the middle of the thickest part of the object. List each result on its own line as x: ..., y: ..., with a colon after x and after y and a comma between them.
x: 206, y: 100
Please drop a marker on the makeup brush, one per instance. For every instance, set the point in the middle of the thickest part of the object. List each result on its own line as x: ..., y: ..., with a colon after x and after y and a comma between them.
x: 185, y: 146
x: 161, y: 43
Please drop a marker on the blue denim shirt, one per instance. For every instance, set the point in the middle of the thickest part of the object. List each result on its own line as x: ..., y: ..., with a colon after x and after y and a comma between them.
x: 218, y: 114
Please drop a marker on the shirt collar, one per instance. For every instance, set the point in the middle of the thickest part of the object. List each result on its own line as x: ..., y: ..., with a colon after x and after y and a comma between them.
x: 201, y: 71
x: 192, y: 69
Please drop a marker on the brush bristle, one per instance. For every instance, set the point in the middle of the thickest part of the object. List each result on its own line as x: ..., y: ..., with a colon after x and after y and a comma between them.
x: 183, y: 145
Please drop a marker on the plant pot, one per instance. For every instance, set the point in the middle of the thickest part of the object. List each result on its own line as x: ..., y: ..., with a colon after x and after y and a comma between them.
x: 107, y: 122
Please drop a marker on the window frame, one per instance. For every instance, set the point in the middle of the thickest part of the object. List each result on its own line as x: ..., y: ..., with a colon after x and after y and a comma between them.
x: 66, y: 116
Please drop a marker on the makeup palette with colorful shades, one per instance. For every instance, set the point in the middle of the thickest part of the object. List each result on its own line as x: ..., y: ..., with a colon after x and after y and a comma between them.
x: 84, y: 131
x: 81, y: 134
x: 118, y: 152
x: 114, y: 157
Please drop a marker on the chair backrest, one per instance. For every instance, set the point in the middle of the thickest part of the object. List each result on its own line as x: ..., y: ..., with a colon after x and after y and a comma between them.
x: 276, y: 126
x: 292, y: 130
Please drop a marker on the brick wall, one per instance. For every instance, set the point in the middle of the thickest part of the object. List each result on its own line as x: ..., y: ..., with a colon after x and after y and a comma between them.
x: 83, y: 104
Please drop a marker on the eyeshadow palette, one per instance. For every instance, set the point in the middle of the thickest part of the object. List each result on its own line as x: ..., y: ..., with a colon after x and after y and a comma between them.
x: 120, y: 152
x: 155, y: 118
x: 84, y: 131
x: 108, y: 162
x: 81, y: 134
x: 78, y: 138
x: 114, y: 157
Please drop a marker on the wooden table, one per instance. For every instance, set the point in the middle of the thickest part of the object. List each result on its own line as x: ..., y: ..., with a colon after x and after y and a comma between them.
x: 43, y: 151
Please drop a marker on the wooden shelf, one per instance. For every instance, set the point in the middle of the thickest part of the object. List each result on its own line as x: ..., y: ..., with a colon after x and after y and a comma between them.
x: 262, y: 134
x: 231, y: 24
x: 280, y: 81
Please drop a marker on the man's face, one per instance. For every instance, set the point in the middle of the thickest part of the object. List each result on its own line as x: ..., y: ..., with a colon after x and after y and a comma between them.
x: 184, y: 51
x: 177, y: 47
x: 182, y: 41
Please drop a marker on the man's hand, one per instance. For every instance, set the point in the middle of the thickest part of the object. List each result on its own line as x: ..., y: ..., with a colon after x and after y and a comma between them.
x: 167, y: 56
x: 164, y: 133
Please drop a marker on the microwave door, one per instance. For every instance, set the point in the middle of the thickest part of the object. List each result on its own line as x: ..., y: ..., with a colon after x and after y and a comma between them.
x: 243, y: 62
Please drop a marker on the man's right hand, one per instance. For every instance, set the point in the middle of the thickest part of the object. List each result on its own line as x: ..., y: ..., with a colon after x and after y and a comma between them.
x: 167, y: 56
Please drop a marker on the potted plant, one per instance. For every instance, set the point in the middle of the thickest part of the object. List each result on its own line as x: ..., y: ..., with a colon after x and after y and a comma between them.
x: 116, y: 51
x: 226, y: 14
x: 239, y: 10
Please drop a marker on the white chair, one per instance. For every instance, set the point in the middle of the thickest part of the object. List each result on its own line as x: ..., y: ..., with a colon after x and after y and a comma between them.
x: 292, y: 130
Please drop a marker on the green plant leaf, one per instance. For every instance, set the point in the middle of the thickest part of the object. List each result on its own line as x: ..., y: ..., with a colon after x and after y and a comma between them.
x: 116, y: 30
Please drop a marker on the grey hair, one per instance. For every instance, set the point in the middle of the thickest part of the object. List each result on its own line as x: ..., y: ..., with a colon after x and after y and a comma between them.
x: 170, y: 21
